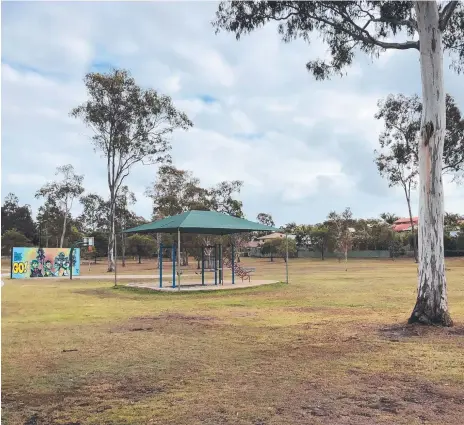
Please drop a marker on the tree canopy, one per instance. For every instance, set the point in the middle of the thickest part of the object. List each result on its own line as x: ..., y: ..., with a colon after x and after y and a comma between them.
x: 131, y: 125
x: 346, y: 27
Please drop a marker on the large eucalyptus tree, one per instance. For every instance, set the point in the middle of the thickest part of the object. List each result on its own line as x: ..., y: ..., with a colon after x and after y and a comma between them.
x: 371, y: 27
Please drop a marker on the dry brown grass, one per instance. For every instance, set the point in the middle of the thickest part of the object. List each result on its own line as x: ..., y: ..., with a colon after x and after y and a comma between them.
x: 330, y: 348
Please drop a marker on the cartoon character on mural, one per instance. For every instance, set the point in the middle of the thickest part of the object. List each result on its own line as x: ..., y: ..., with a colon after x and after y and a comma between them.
x: 41, y: 257
x: 43, y: 262
x: 35, y: 271
x: 48, y: 272
x: 61, y: 264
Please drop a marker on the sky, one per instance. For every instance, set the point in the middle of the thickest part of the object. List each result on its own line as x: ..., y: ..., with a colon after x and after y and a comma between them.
x: 302, y: 147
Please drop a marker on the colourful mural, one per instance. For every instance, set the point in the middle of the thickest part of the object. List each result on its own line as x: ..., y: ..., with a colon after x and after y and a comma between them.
x: 43, y: 262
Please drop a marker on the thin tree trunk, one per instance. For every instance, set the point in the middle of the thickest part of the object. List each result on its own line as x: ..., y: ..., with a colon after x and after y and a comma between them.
x: 432, y: 302
x: 111, y: 236
x: 346, y: 259
x: 123, y: 249
x: 64, y: 230
x: 414, y: 245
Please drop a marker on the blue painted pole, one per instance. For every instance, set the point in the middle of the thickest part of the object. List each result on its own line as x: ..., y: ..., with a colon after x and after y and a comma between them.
x: 215, y: 264
x: 221, y: 266
x: 173, y: 266
x: 233, y: 264
x: 202, y: 265
x: 161, y: 264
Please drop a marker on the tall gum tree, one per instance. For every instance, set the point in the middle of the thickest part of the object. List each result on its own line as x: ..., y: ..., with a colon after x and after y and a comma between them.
x: 372, y: 28
x: 398, y: 158
x: 131, y: 125
x: 62, y: 193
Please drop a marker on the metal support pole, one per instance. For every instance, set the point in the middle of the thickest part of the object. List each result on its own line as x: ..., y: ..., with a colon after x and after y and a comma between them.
x: 233, y: 264
x: 160, y: 256
x: 178, y: 258
x: 173, y: 265
x: 71, y: 262
x: 221, y: 265
x: 11, y: 264
x: 115, y: 262
x: 202, y: 265
x: 286, y: 257
x: 215, y: 264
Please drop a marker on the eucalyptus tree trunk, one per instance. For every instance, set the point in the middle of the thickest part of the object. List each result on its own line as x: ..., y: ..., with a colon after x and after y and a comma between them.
x: 411, y: 221
x: 432, y: 303
x: 112, y: 236
x: 123, y: 249
x: 63, y: 233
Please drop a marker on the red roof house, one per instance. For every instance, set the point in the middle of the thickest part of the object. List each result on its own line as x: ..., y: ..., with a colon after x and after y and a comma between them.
x: 404, y: 224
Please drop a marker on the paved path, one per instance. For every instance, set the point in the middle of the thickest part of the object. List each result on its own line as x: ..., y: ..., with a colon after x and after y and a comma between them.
x: 110, y: 276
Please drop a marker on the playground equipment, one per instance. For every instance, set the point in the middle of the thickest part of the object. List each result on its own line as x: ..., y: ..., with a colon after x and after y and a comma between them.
x: 86, y: 241
x: 173, y: 255
x: 214, y: 263
x: 206, y: 223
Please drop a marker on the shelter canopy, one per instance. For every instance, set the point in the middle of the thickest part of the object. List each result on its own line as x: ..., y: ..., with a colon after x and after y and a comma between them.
x: 202, y: 222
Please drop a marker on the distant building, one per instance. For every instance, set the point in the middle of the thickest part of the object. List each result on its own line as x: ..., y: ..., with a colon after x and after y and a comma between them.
x: 404, y: 224
x: 275, y: 235
x: 253, y: 248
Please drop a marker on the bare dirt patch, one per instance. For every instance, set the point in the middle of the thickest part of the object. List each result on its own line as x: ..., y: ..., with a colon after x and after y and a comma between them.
x: 97, y: 292
x: 404, y: 331
x: 370, y: 398
x: 164, y: 322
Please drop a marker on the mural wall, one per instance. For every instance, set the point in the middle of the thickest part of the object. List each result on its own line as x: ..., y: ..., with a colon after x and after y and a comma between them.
x: 43, y: 262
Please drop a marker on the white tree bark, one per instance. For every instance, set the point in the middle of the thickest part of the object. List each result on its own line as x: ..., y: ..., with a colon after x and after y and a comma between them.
x: 111, y: 238
x: 407, y: 192
x: 432, y: 304
x: 63, y: 233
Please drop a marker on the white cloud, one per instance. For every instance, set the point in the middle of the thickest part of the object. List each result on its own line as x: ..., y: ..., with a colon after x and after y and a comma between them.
x: 172, y: 84
x: 310, y: 143
x: 241, y: 120
x: 24, y: 179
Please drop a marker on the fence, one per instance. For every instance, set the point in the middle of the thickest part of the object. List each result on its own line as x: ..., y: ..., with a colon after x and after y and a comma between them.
x: 305, y: 253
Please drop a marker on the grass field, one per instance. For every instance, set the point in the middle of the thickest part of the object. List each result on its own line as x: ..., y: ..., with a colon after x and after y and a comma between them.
x: 331, y: 347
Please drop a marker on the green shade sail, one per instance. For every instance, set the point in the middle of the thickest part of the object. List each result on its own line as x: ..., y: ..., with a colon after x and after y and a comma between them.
x: 202, y: 222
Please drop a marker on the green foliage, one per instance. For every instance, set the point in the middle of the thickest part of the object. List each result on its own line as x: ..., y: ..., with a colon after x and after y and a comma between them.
x: 62, y: 193
x: 265, y: 219
x: 313, y: 237
x: 18, y: 217
x: 141, y: 246
x: 289, y: 228
x: 339, y: 225
x: 222, y: 200
x: 396, y: 248
x: 398, y: 160
x: 95, y: 213
x: 176, y: 191
x: 50, y: 222
x: 345, y: 27
x: 12, y: 238
x: 452, y: 221
x: 130, y: 124
x: 278, y: 248
x: 389, y: 218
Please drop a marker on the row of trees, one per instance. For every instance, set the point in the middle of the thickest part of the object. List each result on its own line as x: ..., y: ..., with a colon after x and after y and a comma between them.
x: 132, y: 125
x: 173, y: 192
x: 341, y: 232
x: 367, y: 27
